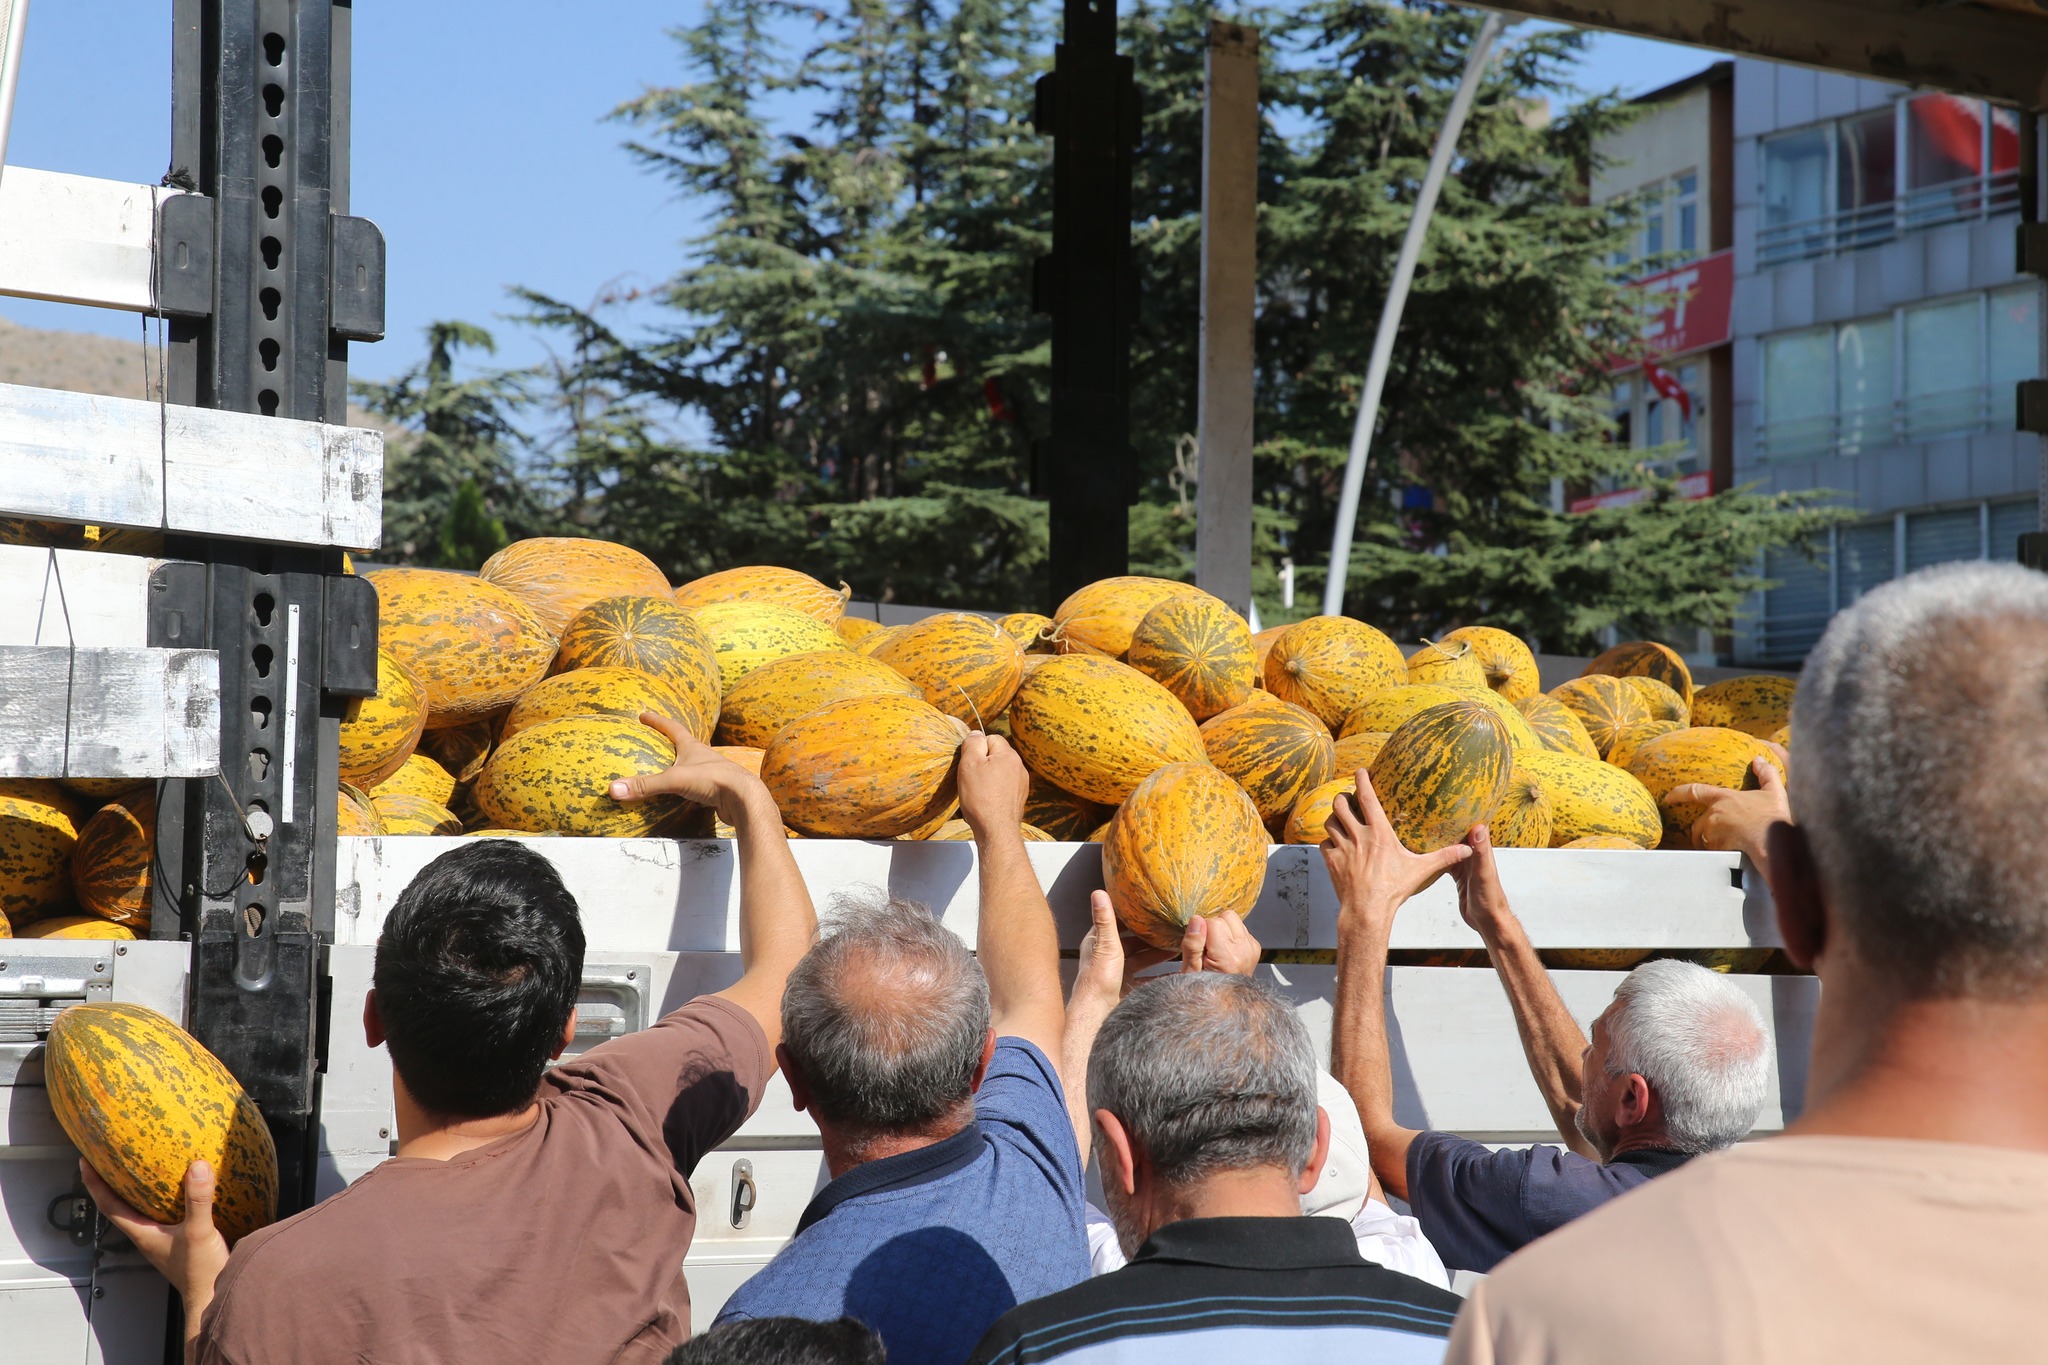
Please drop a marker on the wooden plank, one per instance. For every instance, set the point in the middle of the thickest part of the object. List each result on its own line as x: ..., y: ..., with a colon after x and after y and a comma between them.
x: 77, y: 239
x: 108, y: 712
x: 76, y: 597
x: 123, y: 462
x: 641, y: 894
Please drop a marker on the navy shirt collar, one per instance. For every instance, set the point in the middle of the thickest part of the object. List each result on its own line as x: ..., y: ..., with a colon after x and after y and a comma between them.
x: 918, y: 1166
x: 1655, y: 1160
x: 1298, y: 1243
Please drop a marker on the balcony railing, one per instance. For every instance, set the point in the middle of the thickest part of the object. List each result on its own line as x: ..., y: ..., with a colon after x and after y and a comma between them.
x: 1924, y: 417
x: 1954, y: 202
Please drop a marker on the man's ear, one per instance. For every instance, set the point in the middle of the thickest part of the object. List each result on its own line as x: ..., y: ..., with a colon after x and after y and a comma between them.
x: 568, y: 1036
x: 1634, y: 1102
x: 1795, y: 890
x: 373, y: 1022
x: 1113, y: 1150
x: 988, y: 1053
x: 799, y: 1093
x: 1313, y: 1172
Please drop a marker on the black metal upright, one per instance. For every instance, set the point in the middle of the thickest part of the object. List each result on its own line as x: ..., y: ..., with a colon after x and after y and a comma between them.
x: 1089, y: 103
x: 260, y: 325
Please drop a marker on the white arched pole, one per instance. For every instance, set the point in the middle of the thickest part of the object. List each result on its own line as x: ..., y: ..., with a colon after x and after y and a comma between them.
x: 13, y: 30
x: 1390, y: 315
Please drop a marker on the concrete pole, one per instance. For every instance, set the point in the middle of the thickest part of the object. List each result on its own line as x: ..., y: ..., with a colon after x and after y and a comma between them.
x: 1390, y: 315
x: 1223, y: 424
x: 13, y: 31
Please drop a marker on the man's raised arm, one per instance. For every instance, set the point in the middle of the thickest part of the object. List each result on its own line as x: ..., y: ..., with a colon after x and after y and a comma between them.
x: 1015, y: 939
x: 777, y: 923
x: 1374, y: 876
x: 1551, y: 1038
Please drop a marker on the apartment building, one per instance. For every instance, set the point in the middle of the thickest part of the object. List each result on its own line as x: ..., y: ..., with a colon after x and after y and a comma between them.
x: 1878, y: 329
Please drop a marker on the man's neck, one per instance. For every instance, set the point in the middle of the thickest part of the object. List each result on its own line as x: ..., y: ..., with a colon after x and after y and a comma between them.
x: 1263, y: 1192
x: 1966, y: 1071
x: 437, y: 1137
x: 845, y: 1150
x: 1658, y: 1141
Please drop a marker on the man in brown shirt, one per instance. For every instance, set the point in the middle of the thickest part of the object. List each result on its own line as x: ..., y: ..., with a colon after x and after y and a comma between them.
x: 1904, y: 1217
x: 528, y: 1214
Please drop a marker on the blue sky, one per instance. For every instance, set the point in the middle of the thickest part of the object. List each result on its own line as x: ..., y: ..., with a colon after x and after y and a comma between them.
x: 480, y: 144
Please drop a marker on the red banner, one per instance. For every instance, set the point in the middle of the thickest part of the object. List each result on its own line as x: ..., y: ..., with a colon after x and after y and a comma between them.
x: 1686, y: 308
x: 1691, y: 488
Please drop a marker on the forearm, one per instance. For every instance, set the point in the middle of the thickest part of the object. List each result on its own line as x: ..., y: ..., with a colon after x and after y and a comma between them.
x: 1359, y: 1056
x: 1551, y: 1040
x: 777, y: 921
x: 1085, y: 1013
x: 1018, y: 944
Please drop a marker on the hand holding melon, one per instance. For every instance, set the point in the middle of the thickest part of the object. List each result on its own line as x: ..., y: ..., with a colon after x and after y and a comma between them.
x: 1372, y: 870
x: 994, y: 784
x: 700, y: 775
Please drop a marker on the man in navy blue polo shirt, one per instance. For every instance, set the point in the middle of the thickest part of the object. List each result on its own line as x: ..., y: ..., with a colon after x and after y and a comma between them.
x: 1678, y: 1063
x: 956, y: 1188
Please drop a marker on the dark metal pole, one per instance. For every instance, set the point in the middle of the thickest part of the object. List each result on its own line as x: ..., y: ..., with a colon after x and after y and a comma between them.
x: 1087, y: 469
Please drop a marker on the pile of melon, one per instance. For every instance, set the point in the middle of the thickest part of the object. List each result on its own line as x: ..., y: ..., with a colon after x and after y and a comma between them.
x: 1153, y: 721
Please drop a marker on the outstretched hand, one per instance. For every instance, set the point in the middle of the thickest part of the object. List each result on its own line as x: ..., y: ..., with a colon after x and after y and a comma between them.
x: 1737, y: 821
x: 700, y: 775
x: 189, y: 1254
x: 1100, y: 972
x: 993, y: 783
x: 1481, y: 899
x: 1372, y: 870
x: 1219, y: 943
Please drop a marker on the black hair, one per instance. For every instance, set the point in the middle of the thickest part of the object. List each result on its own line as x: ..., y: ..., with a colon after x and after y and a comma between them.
x: 783, y: 1341
x: 477, y: 972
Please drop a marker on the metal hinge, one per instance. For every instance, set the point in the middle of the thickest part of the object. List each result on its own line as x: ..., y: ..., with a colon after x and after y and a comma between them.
x: 183, y: 287
x: 745, y: 1194
x: 356, y: 254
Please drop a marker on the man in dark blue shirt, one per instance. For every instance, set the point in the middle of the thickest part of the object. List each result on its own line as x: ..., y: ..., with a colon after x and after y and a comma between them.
x: 956, y: 1188
x: 1678, y: 1064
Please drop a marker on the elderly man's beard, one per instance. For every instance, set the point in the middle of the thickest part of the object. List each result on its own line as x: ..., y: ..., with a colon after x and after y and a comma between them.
x: 1579, y: 1122
x: 1130, y: 1235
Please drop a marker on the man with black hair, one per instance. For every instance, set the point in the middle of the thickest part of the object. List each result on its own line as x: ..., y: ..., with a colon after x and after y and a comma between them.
x: 527, y: 1214
x: 783, y: 1341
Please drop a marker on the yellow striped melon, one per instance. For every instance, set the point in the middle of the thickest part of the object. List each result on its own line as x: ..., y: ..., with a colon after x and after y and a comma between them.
x: 558, y: 576
x: 378, y: 733
x: 113, y: 862
x: 1556, y: 725
x: 1757, y: 704
x: 1101, y: 618
x: 655, y: 636
x: 461, y: 749
x: 1708, y: 754
x: 38, y: 829
x: 1357, y: 751
x: 957, y: 830
x: 1613, y: 842
x: 1664, y: 703
x: 1330, y: 664
x: 768, y: 584
x: 1633, y: 736
x: 473, y: 646
x: 74, y: 927
x: 1097, y: 728
x: 777, y: 693
x: 965, y: 665
x: 1273, y: 749
x: 1312, y: 811
x: 419, y: 776
x: 1197, y: 648
x: 620, y: 693
x: 143, y: 1100
x: 556, y: 777
x: 854, y: 629
x: 1444, y: 770
x: 353, y: 813
x: 1029, y: 630
x: 1384, y: 710
x: 865, y: 768
x: 1522, y: 820
x: 411, y: 813
x: 1604, y: 704
x: 1509, y: 665
x: 1591, y: 797
x: 96, y: 790
x: 1061, y: 814
x: 1262, y: 649
x: 1447, y: 663
x: 1646, y: 658
x: 1595, y: 959
x: 1186, y: 842
x: 745, y: 635
x: 874, y: 640
x: 1782, y: 736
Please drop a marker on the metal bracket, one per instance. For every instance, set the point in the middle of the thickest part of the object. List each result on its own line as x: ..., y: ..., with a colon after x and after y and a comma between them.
x: 745, y: 1194
x: 613, y: 1002
x: 184, y: 257
x: 34, y: 990
x: 349, y: 663
x: 74, y: 1214
x: 2032, y: 406
x: 356, y: 253
x: 177, y: 606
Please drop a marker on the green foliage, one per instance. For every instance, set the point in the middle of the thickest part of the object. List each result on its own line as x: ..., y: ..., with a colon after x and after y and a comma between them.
x: 469, y: 533
x: 853, y: 325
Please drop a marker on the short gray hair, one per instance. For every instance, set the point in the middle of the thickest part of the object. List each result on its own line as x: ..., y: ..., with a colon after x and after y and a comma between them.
x: 1919, y: 774
x: 1700, y: 1044
x: 1209, y: 1072
x: 886, y: 1017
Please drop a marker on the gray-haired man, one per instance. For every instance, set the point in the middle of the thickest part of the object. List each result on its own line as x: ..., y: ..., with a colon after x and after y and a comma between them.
x: 956, y: 1187
x: 1678, y: 1063
x: 1202, y: 1088
x: 1904, y: 1216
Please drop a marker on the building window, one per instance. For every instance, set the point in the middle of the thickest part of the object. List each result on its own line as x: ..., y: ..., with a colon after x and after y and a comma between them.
x: 1944, y: 368
x: 1667, y: 224
x: 1863, y: 556
x: 1844, y: 184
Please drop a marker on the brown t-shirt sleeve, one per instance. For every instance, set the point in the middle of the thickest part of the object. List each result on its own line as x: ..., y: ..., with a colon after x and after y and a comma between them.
x: 689, y: 1081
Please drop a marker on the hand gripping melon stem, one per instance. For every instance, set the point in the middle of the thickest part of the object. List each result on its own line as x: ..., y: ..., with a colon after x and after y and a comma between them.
x: 1390, y: 315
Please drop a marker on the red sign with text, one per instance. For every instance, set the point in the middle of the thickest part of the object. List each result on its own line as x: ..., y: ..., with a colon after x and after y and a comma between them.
x: 1686, y: 308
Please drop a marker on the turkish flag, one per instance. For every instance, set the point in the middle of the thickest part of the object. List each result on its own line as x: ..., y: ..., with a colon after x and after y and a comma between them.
x: 1667, y: 386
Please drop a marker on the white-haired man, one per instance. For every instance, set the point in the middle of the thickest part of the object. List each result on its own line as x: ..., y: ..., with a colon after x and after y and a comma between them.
x: 1677, y: 1065
x: 1904, y: 1216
